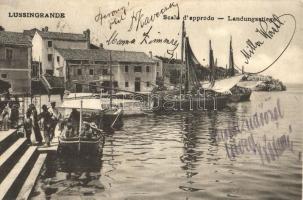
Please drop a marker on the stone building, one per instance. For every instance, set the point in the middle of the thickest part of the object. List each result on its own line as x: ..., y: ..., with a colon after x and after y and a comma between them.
x: 44, y: 43
x: 131, y: 71
x: 15, y: 61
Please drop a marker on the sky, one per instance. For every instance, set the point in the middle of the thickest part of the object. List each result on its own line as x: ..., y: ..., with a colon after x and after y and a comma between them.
x: 81, y: 15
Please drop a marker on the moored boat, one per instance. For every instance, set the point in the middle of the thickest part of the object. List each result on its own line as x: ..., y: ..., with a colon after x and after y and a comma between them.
x: 240, y: 94
x: 80, y: 138
x: 80, y: 145
x: 192, y: 95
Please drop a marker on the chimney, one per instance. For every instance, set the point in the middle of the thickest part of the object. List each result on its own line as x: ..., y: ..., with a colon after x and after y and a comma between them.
x: 101, y: 46
x: 150, y: 54
x: 86, y: 34
x: 46, y: 28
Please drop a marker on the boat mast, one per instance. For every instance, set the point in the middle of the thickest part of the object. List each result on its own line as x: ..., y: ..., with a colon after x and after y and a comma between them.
x: 111, y: 81
x: 211, y: 64
x: 187, y: 82
x: 182, y: 55
x: 231, y: 59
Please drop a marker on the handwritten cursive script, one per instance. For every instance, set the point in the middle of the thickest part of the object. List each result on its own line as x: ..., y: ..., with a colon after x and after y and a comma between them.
x: 139, y: 21
x: 267, y: 31
x: 114, y: 17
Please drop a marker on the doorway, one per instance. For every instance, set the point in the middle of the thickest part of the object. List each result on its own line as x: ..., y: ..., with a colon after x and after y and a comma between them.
x: 137, y: 85
x: 78, y: 88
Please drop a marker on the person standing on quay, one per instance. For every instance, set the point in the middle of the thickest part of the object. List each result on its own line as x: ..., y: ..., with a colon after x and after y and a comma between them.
x: 14, y: 115
x: 47, y: 123
x: 28, y: 125
x: 32, y: 109
x: 56, y: 115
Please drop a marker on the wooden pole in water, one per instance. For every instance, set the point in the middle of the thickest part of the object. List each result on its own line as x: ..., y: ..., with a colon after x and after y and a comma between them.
x: 111, y: 81
x: 80, y: 126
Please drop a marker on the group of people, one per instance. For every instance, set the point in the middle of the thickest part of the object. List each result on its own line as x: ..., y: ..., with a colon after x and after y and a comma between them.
x: 70, y: 128
x: 9, y: 115
x: 49, y: 118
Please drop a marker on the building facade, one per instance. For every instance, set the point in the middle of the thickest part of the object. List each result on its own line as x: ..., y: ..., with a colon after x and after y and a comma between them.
x: 15, y: 61
x: 44, y: 43
x: 131, y: 71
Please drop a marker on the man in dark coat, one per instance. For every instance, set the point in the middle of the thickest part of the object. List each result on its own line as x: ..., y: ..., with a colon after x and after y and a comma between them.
x: 47, y: 123
x: 32, y: 109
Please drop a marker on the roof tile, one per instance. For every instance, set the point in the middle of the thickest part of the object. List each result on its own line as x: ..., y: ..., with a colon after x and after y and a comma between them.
x: 103, y: 55
x: 14, y: 38
x: 62, y: 36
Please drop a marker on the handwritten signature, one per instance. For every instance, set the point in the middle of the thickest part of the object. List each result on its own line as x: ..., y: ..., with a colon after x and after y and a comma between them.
x: 146, y: 39
x: 267, y: 31
x: 139, y: 21
x: 113, y: 17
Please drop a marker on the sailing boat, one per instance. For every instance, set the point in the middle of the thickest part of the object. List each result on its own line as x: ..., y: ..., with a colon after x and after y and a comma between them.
x: 228, y: 84
x: 238, y: 93
x: 193, y: 96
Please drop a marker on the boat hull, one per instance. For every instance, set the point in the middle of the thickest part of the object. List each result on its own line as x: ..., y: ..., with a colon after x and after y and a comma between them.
x: 240, y: 97
x: 84, y: 146
x: 240, y: 94
x: 192, y: 104
x: 112, y: 119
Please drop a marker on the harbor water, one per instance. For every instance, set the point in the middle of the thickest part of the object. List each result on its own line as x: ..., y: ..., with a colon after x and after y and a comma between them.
x: 180, y: 156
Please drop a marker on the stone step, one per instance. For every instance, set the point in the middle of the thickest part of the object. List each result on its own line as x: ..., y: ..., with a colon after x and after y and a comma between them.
x: 7, y: 138
x: 11, y: 156
x: 29, y: 184
x: 8, y: 184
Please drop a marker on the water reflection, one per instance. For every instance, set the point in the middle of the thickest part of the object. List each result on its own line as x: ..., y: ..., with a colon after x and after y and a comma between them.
x: 70, y: 176
x: 179, y: 156
x: 191, y: 152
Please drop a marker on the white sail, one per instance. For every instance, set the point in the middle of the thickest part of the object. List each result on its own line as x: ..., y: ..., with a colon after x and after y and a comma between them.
x: 224, y: 85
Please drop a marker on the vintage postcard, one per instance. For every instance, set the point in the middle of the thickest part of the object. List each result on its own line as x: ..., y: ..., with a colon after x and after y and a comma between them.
x: 135, y: 99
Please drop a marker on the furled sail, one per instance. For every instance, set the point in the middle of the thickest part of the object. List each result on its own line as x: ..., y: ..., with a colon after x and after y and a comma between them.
x: 212, y: 77
x: 191, y: 63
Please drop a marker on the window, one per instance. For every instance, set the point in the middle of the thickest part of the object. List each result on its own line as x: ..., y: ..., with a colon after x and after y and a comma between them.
x: 147, y: 84
x: 138, y: 69
x: 126, y: 84
x: 49, y: 43
x: 79, y: 71
x: 147, y: 68
x: 58, y: 58
x: 91, y: 71
x: 126, y: 68
x: 9, y: 54
x: 115, y: 84
x: 158, y: 64
x: 50, y: 57
x: 78, y: 88
x: 3, y: 75
x: 104, y: 72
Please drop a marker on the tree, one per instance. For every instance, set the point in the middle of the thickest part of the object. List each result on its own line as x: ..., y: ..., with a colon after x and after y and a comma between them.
x: 2, y: 28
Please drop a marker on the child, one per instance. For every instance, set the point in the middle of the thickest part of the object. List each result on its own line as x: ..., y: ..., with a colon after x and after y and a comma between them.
x: 28, y: 125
